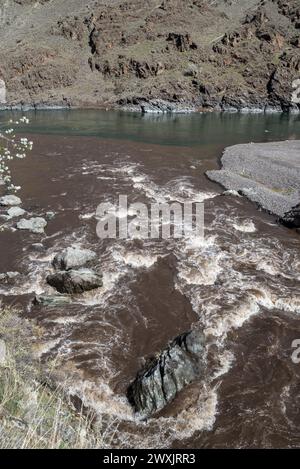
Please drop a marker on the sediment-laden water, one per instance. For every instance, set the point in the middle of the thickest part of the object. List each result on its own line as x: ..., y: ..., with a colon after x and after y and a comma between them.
x: 240, y: 284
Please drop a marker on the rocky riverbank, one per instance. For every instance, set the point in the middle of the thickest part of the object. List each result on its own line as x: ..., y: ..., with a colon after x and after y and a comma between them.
x: 166, y: 56
x: 35, y: 413
x: 267, y: 174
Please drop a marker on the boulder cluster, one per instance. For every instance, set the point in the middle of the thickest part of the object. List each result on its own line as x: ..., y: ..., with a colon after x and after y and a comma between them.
x: 70, y: 276
x: 12, y: 203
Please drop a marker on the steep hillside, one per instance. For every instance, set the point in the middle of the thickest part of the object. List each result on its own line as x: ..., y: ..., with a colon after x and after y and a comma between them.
x: 151, y: 54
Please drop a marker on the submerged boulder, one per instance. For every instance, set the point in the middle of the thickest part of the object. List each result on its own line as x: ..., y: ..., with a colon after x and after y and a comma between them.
x: 38, y: 247
x: 35, y: 225
x: 292, y: 218
x: 51, y: 300
x: 50, y: 215
x: 164, y: 376
x: 72, y: 257
x: 75, y: 281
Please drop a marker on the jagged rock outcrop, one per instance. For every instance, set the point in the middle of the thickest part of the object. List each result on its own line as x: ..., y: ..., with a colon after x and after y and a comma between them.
x: 157, y: 105
x: 178, y: 365
x: 75, y: 281
x: 70, y: 28
x: 126, y: 67
x: 182, y: 42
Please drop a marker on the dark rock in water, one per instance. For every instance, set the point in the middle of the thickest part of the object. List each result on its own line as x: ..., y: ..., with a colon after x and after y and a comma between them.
x: 72, y: 257
x: 75, y: 281
x: 51, y: 300
x: 292, y: 218
x: 159, y: 382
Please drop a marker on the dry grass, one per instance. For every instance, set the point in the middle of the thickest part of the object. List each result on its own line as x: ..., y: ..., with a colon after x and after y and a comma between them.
x: 31, y: 414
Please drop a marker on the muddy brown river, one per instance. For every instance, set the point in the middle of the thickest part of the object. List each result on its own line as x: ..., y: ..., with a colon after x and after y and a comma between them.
x: 240, y: 284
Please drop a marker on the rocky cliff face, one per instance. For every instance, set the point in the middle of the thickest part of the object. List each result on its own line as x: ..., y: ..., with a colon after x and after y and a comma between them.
x: 151, y: 55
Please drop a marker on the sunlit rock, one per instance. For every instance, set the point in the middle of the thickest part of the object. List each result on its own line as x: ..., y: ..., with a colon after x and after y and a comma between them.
x: 72, y: 257
x: 35, y: 225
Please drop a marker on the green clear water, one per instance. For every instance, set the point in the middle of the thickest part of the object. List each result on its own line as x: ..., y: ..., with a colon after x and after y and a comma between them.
x: 179, y: 130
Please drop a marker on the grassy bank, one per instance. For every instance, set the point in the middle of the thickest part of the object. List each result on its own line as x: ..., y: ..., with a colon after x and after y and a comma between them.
x: 33, y: 414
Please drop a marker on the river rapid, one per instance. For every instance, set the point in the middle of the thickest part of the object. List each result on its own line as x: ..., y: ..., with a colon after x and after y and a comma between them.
x: 240, y: 284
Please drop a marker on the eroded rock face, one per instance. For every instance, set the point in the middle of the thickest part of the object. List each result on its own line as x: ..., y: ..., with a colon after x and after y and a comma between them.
x: 292, y: 218
x: 182, y: 42
x: 153, y: 106
x: 140, y: 48
x: 72, y: 257
x: 75, y: 281
x: 178, y: 365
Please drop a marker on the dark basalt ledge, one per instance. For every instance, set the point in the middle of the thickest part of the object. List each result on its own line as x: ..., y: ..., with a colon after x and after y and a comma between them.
x: 181, y: 363
x: 158, y: 105
x: 32, y: 106
x: 161, y: 106
x: 266, y: 173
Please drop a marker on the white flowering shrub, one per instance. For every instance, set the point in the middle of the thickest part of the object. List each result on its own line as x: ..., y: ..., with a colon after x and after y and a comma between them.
x: 12, y: 147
